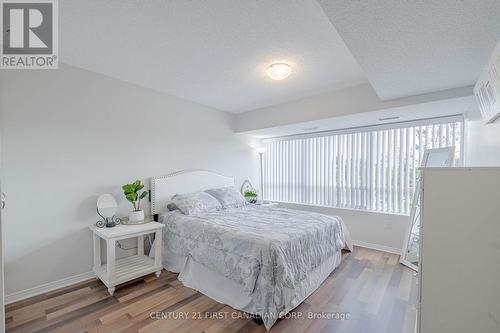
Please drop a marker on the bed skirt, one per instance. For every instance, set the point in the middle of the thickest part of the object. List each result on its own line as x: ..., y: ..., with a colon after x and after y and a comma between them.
x: 223, y: 290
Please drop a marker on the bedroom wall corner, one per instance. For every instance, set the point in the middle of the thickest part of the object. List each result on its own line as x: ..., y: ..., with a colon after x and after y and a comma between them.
x: 482, y: 142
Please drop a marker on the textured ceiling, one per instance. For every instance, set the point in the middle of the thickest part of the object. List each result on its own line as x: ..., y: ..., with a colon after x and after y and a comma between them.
x: 414, y: 47
x: 214, y: 52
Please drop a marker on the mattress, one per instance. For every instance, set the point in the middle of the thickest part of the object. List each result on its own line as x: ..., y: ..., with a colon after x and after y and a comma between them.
x: 263, y: 260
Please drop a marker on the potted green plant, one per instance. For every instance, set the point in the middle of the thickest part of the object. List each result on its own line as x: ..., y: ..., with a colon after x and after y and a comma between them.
x: 133, y: 192
x: 251, y: 196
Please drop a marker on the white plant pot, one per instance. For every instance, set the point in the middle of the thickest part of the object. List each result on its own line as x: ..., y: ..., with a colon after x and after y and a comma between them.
x: 136, y: 216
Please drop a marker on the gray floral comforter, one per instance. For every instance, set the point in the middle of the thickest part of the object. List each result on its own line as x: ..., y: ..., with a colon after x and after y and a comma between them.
x: 264, y: 249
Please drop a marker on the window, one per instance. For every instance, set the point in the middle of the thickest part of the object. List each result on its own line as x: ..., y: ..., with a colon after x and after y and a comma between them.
x: 373, y: 168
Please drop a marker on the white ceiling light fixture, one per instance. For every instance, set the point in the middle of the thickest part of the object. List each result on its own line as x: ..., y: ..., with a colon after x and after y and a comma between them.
x: 279, y: 71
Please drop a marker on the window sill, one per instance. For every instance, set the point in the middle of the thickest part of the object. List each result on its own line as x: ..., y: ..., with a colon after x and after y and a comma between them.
x: 341, y: 208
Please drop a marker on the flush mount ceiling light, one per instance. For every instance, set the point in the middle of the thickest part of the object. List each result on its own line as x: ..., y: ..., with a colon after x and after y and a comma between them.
x: 279, y: 71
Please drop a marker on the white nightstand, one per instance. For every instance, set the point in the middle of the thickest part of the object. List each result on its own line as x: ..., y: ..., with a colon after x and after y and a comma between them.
x: 122, y: 270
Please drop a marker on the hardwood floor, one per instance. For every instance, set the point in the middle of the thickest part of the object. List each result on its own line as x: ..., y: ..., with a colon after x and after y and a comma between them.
x: 370, y: 287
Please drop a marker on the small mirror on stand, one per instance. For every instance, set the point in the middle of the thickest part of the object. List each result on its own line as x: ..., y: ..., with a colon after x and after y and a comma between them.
x: 106, y: 208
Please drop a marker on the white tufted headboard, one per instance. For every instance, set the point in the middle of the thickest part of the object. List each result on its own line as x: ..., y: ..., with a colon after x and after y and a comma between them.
x: 186, y: 181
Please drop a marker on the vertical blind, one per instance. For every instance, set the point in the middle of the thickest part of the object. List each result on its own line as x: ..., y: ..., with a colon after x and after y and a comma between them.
x: 373, y: 169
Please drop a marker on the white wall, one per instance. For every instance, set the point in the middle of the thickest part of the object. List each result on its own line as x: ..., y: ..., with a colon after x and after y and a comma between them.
x: 482, y: 144
x: 69, y: 135
x: 378, y: 230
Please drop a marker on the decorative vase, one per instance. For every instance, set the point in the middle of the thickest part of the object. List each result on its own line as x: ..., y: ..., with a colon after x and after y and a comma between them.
x: 136, y: 216
x: 251, y: 199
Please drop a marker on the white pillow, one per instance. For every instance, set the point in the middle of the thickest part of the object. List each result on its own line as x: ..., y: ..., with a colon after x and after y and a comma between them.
x: 229, y: 197
x: 196, y: 203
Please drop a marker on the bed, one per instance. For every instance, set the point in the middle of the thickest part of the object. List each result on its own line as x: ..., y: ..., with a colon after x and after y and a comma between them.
x: 261, y: 260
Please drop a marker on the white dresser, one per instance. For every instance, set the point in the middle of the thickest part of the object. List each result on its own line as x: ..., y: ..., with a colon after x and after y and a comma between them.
x: 459, y: 275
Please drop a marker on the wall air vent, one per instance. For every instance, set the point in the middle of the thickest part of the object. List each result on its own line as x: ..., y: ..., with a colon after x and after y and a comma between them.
x: 389, y: 118
x: 487, y: 89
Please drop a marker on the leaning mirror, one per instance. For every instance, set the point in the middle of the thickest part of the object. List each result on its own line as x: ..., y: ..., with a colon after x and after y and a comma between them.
x: 106, y: 208
x: 438, y: 157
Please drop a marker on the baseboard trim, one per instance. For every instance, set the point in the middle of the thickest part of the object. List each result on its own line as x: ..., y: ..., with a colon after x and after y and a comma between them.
x: 44, y: 288
x: 377, y: 247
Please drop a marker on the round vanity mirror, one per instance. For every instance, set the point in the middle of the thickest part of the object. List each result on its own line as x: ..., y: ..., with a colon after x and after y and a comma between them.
x: 106, y: 205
